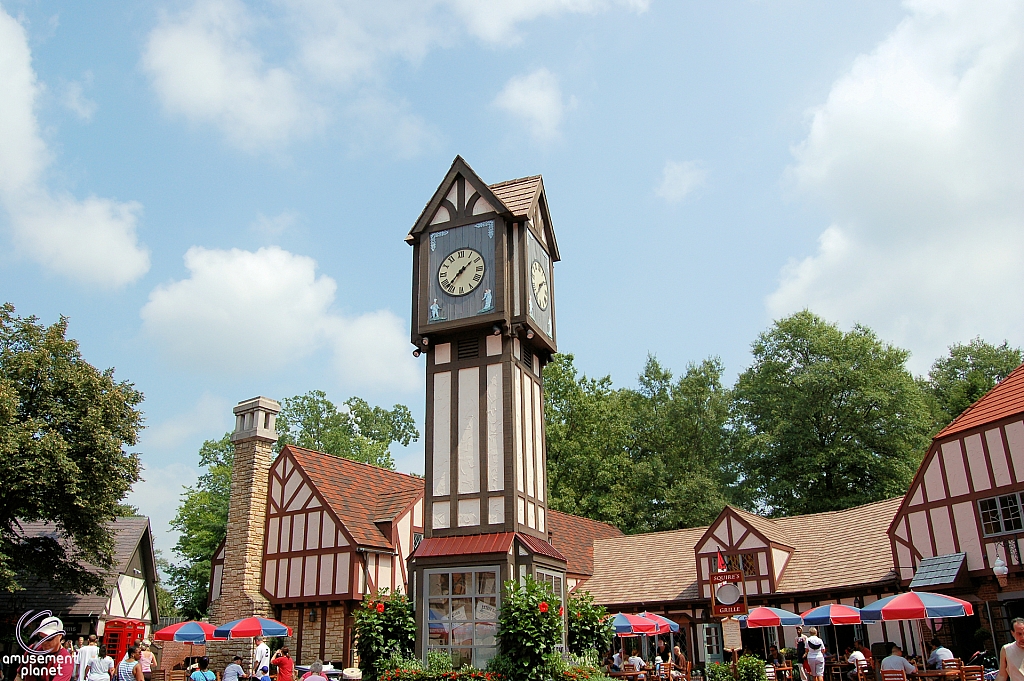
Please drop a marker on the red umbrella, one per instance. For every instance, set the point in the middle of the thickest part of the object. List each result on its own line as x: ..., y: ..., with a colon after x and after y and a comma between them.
x: 914, y: 605
x: 187, y: 632
x: 253, y: 626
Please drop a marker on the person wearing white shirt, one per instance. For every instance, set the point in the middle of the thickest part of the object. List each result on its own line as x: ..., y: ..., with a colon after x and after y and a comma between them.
x: 939, y: 653
x: 854, y: 657
x: 260, y: 658
x: 86, y: 654
x: 896, y: 661
x: 637, y: 662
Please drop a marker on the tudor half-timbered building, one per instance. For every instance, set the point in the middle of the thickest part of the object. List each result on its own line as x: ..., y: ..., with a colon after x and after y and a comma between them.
x: 961, y: 521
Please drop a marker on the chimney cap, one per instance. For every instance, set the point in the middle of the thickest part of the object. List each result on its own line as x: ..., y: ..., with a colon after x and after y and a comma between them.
x: 255, y: 420
x: 253, y: 403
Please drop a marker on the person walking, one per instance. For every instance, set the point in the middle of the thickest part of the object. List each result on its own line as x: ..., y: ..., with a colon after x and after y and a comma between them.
x: 815, y: 656
x: 85, y: 655
x: 129, y: 669
x: 99, y: 667
x: 801, y: 652
x: 260, y: 657
x: 147, y: 660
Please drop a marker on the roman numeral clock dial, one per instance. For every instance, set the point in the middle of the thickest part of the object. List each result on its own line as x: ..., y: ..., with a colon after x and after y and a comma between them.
x: 539, y: 280
x: 461, y: 272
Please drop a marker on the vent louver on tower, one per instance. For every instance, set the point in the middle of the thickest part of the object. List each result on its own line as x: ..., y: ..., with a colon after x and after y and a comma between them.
x: 469, y: 348
x: 528, y: 356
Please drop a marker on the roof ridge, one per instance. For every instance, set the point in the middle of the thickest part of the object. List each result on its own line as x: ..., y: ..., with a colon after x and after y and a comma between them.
x: 583, y: 517
x: 513, y: 181
x: 353, y: 461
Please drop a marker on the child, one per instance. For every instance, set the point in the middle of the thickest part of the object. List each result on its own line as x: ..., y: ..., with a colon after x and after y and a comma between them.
x: 265, y: 673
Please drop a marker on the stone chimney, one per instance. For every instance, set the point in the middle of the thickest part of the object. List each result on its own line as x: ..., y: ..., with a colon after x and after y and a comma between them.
x: 254, y: 438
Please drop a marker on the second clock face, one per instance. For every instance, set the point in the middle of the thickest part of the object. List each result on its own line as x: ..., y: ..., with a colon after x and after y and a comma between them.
x: 539, y: 280
x: 461, y: 272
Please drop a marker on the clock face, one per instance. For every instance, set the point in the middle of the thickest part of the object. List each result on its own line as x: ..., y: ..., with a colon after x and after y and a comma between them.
x: 461, y: 272
x: 539, y: 281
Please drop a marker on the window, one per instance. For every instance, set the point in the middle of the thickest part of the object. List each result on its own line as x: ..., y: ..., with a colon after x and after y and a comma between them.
x: 462, y: 609
x: 555, y: 580
x: 1001, y: 514
x: 748, y: 566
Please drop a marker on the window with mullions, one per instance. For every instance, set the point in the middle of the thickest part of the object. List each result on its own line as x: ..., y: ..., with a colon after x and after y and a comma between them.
x: 748, y: 566
x: 462, y: 609
x: 1001, y: 514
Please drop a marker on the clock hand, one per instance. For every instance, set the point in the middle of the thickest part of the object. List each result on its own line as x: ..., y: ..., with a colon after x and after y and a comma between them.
x: 459, y: 273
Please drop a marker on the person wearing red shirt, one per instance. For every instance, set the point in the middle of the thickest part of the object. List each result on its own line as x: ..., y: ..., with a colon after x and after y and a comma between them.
x: 285, y: 665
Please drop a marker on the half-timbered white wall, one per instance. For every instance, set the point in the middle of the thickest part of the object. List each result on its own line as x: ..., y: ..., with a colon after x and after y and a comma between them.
x: 129, y: 598
x: 940, y: 512
x: 308, y: 553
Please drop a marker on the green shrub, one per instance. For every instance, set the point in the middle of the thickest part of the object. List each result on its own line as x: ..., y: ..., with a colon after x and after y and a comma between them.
x: 718, y: 671
x: 750, y: 668
x: 788, y: 653
x: 589, y: 626
x: 529, y: 628
x: 440, y: 662
x: 385, y: 628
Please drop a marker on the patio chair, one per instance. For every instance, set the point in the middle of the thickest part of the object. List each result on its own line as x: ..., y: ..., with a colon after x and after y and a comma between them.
x: 972, y: 673
x: 955, y: 663
x: 894, y: 675
x: 769, y: 672
x: 176, y: 675
x: 784, y: 672
x: 864, y: 671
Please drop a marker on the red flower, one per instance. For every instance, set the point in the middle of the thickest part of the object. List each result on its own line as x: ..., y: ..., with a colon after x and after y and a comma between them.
x: 380, y: 607
x: 543, y: 606
x: 561, y: 611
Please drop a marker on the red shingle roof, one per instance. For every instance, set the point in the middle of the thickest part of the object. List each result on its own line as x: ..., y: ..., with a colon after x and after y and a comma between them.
x: 517, y: 195
x: 574, y: 537
x: 540, y: 546
x: 1004, y: 400
x: 360, y: 494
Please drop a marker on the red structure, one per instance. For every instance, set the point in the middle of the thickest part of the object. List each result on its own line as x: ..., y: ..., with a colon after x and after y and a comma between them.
x: 120, y: 633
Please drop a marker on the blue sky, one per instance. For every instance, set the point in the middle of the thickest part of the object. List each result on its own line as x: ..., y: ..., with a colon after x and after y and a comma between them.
x: 216, y: 193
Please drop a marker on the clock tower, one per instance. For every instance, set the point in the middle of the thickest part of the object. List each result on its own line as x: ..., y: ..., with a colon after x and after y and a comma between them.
x: 483, y: 314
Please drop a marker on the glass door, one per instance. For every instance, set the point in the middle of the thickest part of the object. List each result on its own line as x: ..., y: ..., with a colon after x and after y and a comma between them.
x: 712, y: 636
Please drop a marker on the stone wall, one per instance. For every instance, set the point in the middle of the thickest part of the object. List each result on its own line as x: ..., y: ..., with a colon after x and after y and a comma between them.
x: 332, y: 634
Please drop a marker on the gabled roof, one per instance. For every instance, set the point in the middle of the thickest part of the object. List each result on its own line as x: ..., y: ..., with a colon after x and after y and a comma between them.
x: 766, y: 526
x: 360, y: 495
x: 518, y: 195
x: 458, y: 167
x: 831, y: 550
x: 129, y: 534
x: 1004, y: 400
x: 574, y: 537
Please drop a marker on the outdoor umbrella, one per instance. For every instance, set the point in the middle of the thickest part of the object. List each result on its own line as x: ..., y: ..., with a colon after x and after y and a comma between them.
x: 832, y: 614
x: 632, y: 625
x: 252, y: 626
x: 769, y: 617
x: 665, y: 626
x: 914, y: 605
x: 187, y: 632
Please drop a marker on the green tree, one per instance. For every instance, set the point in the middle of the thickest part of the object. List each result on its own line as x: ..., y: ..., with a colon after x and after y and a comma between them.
x: 165, y: 605
x: 644, y: 460
x: 969, y: 371
x: 64, y: 427
x: 201, y: 522
x: 356, y: 431
x: 826, y: 420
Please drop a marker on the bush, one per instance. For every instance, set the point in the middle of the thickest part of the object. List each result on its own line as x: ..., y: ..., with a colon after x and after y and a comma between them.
x: 440, y: 662
x: 589, y: 626
x: 718, y: 671
x: 750, y: 668
x: 788, y: 653
x: 529, y: 628
x: 465, y: 674
x: 385, y: 629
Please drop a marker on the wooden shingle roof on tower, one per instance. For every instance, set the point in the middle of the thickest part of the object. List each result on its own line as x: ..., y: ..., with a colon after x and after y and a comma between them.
x: 516, y: 200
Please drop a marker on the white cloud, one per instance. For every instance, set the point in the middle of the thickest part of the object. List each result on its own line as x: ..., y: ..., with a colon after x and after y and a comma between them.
x: 271, y: 227
x: 74, y: 99
x: 207, y: 63
x: 256, y: 311
x: 917, y: 155
x: 209, y: 418
x: 92, y: 240
x: 158, y: 496
x: 205, y: 68
x: 679, y: 179
x: 535, y: 99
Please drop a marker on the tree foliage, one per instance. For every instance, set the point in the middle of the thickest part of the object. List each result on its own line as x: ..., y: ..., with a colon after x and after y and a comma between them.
x: 356, y: 431
x: 644, y: 460
x: 969, y: 371
x: 64, y: 427
x: 589, y: 627
x: 201, y: 522
x: 826, y: 420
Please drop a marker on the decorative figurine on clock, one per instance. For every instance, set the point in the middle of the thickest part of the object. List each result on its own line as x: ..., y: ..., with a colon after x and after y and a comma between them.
x: 483, y: 313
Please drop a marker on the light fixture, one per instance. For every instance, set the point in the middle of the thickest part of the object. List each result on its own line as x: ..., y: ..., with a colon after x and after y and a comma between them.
x: 312, y: 615
x: 1000, y: 570
x: 496, y: 330
x: 425, y: 341
x: 529, y: 333
x: 416, y: 352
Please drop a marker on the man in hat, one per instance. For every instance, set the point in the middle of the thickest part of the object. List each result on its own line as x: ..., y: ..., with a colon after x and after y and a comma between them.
x: 47, y: 640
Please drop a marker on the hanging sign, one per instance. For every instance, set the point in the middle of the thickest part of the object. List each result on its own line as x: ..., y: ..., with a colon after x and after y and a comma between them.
x: 728, y: 595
